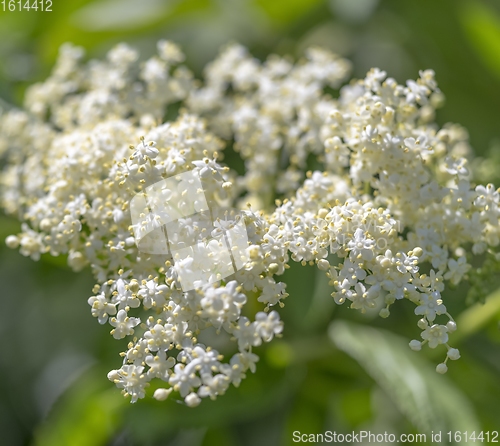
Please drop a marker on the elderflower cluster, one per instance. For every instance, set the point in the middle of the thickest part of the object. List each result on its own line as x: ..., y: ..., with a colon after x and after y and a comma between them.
x: 390, y: 211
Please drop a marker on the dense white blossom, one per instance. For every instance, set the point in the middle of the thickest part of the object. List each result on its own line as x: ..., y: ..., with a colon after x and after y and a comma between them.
x: 392, y: 191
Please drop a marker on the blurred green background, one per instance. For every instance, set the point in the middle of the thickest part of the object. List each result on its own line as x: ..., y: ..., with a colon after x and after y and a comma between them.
x: 334, y: 369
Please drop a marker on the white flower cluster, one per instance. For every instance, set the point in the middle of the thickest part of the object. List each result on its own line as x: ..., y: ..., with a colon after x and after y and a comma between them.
x: 273, y: 111
x: 394, y: 196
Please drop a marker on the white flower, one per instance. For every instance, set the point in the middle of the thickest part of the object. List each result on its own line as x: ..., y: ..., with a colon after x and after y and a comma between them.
x: 159, y: 337
x: 457, y: 269
x: 132, y: 379
x: 101, y: 307
x: 154, y: 70
x: 153, y: 294
x: 406, y: 263
x: 145, y: 149
x: 267, y: 325
x: 360, y: 247
x: 159, y: 365
x: 137, y: 353
x: 204, y: 360
x: 352, y: 272
x: 124, y: 296
x: 170, y: 52
x: 430, y: 305
x: 435, y: 335
x: 399, y: 284
x: 419, y: 144
x: 456, y: 166
x: 363, y: 299
x: 486, y: 195
x: 213, y: 385
x: 235, y: 370
x: 248, y: 360
x: 272, y: 292
x: 124, y: 325
x: 416, y: 92
x: 183, y: 380
x: 246, y: 334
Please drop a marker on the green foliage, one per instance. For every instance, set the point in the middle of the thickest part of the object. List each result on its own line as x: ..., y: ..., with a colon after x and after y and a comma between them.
x: 482, y: 27
x: 430, y: 401
x: 483, y: 280
x: 478, y: 316
x: 89, y: 414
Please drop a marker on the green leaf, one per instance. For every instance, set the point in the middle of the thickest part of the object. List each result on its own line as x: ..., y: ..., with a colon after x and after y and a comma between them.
x: 286, y: 11
x: 88, y: 414
x: 8, y: 226
x: 477, y: 316
x: 311, y: 304
x: 481, y: 25
x: 430, y: 401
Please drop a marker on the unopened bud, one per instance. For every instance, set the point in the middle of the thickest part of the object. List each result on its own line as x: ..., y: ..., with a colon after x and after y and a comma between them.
x: 418, y: 252
x: 453, y: 354
x: 323, y: 265
x: 451, y: 326
x: 113, y: 375
x: 441, y: 368
x: 274, y: 268
x: 162, y: 394
x: 12, y: 241
x: 415, y: 345
x: 192, y: 400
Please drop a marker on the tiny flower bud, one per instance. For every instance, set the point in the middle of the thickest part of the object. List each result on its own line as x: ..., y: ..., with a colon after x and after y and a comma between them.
x: 453, y: 354
x: 323, y: 265
x: 418, y: 252
x: 389, y: 299
x: 322, y: 213
x: 451, y: 326
x: 45, y: 224
x: 134, y: 286
x: 422, y: 324
x: 273, y: 268
x: 162, y: 394
x: 12, y: 241
x: 415, y: 345
x: 76, y: 261
x: 441, y: 368
x: 384, y: 312
x: 385, y: 262
x: 192, y: 400
x: 113, y: 375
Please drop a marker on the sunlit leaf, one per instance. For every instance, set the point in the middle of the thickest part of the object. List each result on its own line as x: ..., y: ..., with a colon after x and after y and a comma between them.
x: 429, y: 400
x: 88, y: 414
x: 286, y: 11
x: 478, y: 316
x: 482, y: 27
x: 114, y: 15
